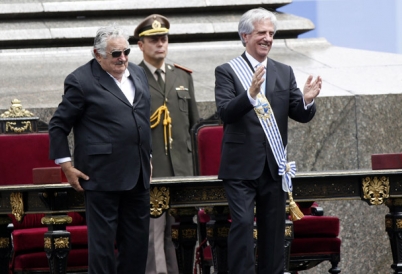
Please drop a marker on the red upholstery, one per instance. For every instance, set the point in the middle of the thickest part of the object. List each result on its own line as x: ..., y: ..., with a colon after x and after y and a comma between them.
x: 37, y: 261
x: 316, y: 226
x: 209, y: 141
x: 303, y: 246
x: 20, y: 153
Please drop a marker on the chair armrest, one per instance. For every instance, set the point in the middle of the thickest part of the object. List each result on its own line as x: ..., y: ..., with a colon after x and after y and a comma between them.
x: 317, y: 211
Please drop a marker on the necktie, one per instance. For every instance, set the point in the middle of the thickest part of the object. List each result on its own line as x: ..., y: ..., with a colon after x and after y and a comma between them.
x: 160, y: 79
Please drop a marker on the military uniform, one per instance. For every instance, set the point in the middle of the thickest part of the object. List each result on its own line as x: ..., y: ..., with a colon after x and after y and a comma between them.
x: 173, y: 158
x: 173, y: 113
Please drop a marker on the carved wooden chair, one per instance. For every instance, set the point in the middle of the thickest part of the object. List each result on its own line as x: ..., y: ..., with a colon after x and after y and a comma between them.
x: 315, y: 236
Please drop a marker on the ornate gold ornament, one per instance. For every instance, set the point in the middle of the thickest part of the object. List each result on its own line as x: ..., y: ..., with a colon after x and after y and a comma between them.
x: 376, y: 189
x: 175, y: 234
x: 388, y: 223
x: 288, y: 231
x: 4, y: 242
x: 16, y: 111
x: 210, y: 232
x: 223, y: 231
x: 189, y: 233
x: 61, y: 242
x: 56, y: 220
x: 17, y: 205
x: 11, y: 126
x: 255, y: 233
x: 399, y: 223
x: 159, y: 199
x: 48, y: 243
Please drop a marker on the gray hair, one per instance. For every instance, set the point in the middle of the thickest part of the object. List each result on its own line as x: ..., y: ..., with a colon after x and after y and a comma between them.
x: 247, y: 20
x: 104, y: 34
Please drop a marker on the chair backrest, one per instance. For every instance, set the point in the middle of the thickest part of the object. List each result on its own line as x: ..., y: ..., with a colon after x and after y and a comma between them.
x: 20, y: 153
x: 207, y: 139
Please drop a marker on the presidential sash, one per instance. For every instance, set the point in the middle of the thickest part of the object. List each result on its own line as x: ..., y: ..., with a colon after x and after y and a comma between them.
x: 268, y: 123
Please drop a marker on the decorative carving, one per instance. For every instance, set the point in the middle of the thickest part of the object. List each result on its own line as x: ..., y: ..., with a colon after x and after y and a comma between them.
x: 17, y: 205
x: 175, y: 234
x: 255, y: 234
x: 48, y: 243
x: 376, y: 189
x: 210, y: 232
x: 12, y: 126
x: 223, y: 231
x: 61, y: 242
x: 16, y: 111
x: 288, y: 231
x: 56, y: 220
x: 4, y: 242
x: 159, y: 199
x: 397, y: 202
x: 199, y: 194
x: 388, y: 223
x: 189, y: 233
x: 399, y: 223
x: 18, y: 120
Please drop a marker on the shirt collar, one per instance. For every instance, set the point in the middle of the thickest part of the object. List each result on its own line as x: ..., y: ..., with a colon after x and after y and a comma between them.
x: 254, y: 62
x: 152, y: 69
x: 124, y: 77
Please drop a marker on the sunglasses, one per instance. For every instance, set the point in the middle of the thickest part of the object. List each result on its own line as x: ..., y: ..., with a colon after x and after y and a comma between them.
x: 118, y: 53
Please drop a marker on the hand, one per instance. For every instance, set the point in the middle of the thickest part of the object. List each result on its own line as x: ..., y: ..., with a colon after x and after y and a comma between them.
x: 73, y: 176
x: 312, y: 89
x: 258, y: 79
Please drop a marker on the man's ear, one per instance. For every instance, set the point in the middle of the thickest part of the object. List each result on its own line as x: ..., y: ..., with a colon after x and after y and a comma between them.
x: 140, y: 44
x: 97, y: 55
x: 244, y: 36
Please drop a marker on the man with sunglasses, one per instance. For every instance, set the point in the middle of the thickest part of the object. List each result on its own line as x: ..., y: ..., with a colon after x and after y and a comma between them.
x: 174, y: 112
x: 107, y: 104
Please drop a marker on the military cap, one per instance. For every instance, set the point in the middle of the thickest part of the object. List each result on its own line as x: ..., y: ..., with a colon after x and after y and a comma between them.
x: 154, y: 24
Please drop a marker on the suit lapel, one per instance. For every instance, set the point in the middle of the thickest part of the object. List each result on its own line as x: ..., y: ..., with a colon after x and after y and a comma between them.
x: 271, y: 79
x: 247, y: 61
x: 106, y: 81
x: 139, y: 91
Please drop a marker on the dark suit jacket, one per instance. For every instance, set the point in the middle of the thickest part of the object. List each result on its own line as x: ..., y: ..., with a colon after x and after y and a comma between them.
x: 245, y: 148
x: 180, y: 100
x: 112, y: 138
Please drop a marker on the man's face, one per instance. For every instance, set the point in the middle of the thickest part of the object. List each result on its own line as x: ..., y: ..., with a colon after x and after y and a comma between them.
x: 114, y: 65
x: 259, y: 41
x: 154, y: 48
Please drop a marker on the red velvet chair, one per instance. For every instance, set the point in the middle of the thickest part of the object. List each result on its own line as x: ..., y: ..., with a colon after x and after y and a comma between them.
x: 28, y: 252
x: 315, y: 236
x: 20, y: 154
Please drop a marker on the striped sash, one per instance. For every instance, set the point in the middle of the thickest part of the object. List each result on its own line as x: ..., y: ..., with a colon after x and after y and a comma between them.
x: 267, y: 120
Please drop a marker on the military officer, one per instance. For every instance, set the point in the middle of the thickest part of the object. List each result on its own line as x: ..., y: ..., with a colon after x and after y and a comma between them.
x: 173, y: 113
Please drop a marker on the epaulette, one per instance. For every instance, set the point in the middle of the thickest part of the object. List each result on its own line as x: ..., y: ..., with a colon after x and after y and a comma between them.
x: 183, y: 68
